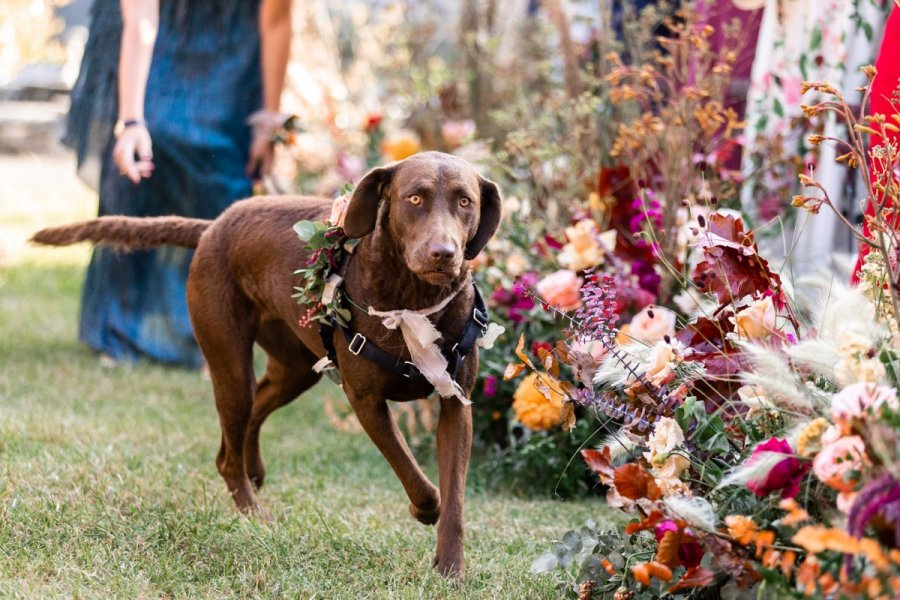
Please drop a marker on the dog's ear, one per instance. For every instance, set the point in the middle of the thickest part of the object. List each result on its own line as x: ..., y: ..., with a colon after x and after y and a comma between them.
x: 489, y: 219
x: 363, y: 210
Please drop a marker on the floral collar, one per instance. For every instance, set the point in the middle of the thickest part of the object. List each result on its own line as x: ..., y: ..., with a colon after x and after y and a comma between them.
x: 329, y: 248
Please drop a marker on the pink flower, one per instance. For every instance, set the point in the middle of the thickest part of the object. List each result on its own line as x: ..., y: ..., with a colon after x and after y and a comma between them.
x: 561, y: 289
x: 838, y: 464
x: 786, y: 475
x: 457, y: 133
x: 856, y: 399
x: 791, y: 87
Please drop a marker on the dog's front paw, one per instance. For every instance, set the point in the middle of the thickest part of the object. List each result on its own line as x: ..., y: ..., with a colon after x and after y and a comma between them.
x: 427, y: 515
x: 450, y: 564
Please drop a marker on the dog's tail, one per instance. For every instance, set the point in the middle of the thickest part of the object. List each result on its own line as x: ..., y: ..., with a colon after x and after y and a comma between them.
x: 127, y: 233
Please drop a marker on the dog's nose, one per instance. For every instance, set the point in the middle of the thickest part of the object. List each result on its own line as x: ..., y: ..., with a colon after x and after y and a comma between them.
x: 441, y: 250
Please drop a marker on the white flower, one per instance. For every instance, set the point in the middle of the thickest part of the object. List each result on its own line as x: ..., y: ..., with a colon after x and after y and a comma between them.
x: 667, y: 435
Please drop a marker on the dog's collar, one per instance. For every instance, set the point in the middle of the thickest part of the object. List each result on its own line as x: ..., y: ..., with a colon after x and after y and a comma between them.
x: 359, y: 345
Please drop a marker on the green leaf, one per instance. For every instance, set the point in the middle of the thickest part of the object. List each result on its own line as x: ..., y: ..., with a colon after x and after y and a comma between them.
x: 867, y: 29
x: 305, y: 229
x: 343, y: 315
x: 317, y: 240
x: 778, y: 108
x: 816, y: 40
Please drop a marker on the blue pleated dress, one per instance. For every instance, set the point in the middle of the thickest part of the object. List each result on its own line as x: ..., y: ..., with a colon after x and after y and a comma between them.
x: 205, y: 80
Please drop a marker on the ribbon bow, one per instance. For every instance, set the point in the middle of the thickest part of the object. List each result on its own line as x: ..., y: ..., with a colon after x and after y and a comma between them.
x: 421, y: 338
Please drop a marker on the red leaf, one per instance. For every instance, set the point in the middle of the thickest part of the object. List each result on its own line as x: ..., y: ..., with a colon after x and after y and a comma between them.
x: 730, y: 228
x: 634, y: 482
x: 733, y: 267
x: 693, y: 578
x: 598, y: 462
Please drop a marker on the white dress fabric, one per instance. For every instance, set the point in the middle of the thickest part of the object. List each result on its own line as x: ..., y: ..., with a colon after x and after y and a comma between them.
x: 806, y: 40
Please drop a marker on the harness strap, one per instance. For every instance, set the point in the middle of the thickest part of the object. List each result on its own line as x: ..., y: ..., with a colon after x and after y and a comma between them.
x: 359, y: 345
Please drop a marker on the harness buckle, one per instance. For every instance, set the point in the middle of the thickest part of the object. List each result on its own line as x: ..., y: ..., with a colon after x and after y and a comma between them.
x: 360, y: 341
x: 479, y: 318
x: 411, y: 369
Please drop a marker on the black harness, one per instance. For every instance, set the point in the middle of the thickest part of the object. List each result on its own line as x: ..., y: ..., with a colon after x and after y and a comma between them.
x: 359, y: 345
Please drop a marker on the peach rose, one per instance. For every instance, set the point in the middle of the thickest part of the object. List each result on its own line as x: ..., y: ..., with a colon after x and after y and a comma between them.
x: 652, y: 324
x: 662, y: 361
x: 561, y: 289
x: 838, y: 463
x: 756, y: 321
x: 339, y: 210
x: 586, y: 245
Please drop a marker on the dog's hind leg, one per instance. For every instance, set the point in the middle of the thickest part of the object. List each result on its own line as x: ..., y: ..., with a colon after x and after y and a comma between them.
x: 225, y: 326
x: 376, y: 419
x: 288, y: 374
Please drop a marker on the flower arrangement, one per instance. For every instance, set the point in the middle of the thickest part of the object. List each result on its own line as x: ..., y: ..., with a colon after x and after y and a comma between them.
x: 758, y: 444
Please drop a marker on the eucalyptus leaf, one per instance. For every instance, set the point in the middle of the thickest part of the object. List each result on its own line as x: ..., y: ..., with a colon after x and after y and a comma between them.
x: 572, y: 541
x: 544, y: 563
x: 305, y: 229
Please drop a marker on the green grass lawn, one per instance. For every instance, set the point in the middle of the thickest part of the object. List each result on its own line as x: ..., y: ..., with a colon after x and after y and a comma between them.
x: 108, y: 486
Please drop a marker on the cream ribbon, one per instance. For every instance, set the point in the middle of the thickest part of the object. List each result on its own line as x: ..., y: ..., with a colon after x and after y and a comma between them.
x: 421, y: 336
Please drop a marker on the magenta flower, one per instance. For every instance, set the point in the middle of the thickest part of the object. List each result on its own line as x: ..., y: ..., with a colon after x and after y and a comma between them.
x: 490, y: 386
x: 786, y: 475
x: 690, y: 552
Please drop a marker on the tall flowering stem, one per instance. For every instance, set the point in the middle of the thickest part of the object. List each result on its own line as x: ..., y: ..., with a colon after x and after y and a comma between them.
x: 882, y: 190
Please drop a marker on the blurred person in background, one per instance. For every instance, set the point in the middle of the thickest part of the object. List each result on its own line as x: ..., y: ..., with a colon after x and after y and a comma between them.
x: 173, y: 114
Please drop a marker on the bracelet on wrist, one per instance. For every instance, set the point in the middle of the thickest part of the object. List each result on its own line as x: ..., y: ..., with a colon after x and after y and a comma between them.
x: 122, y: 125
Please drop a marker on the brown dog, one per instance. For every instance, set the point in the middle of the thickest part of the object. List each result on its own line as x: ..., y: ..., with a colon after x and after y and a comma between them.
x: 421, y: 220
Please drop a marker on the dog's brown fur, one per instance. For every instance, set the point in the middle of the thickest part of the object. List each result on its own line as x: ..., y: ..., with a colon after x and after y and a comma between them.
x: 412, y: 256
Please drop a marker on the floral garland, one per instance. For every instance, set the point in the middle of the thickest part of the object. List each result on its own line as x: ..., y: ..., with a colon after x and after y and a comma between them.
x: 326, y: 243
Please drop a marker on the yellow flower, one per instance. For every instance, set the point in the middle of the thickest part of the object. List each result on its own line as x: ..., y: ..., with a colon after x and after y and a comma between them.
x: 810, y: 440
x: 401, y: 145
x: 535, y: 410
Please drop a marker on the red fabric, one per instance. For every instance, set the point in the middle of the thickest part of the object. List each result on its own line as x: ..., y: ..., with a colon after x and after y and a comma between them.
x: 886, y: 81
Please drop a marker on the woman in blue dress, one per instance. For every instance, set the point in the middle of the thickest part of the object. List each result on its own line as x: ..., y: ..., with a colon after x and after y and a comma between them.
x: 172, y: 114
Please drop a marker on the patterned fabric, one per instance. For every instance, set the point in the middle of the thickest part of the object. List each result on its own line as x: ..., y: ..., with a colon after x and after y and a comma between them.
x: 886, y: 83
x: 204, y: 82
x: 808, y: 40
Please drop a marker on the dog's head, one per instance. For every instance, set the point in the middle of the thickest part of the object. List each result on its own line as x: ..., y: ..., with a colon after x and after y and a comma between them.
x: 437, y: 209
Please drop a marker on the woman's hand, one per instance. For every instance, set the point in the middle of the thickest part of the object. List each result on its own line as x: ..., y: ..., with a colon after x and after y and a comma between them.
x: 262, y: 151
x: 134, y: 140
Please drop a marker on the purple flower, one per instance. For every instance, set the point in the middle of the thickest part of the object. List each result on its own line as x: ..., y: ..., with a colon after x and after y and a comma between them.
x: 786, y: 475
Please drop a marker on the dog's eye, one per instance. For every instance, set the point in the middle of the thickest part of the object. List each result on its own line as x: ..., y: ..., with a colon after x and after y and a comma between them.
x: 464, y: 202
x: 415, y: 199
